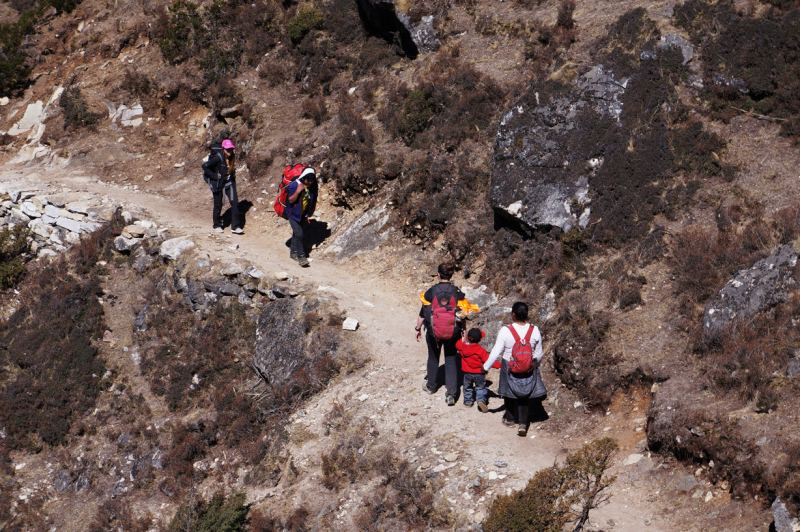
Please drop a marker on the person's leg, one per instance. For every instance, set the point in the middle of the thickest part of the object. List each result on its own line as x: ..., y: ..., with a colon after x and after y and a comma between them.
x: 469, y: 380
x: 511, y: 410
x: 451, y: 363
x: 215, y: 219
x: 234, y: 200
x: 480, y: 389
x: 434, y: 351
x: 297, y: 238
x: 522, y: 411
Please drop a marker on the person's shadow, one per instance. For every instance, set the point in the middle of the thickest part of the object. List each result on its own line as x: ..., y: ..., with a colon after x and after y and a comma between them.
x: 227, y: 216
x: 314, y: 234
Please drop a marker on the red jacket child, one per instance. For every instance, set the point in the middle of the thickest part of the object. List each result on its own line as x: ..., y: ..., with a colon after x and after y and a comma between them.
x: 473, y: 356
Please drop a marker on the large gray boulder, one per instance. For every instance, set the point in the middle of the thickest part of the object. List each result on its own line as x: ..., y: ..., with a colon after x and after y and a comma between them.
x: 366, y: 234
x: 280, y: 340
x: 759, y: 287
x: 781, y: 519
x: 542, y: 168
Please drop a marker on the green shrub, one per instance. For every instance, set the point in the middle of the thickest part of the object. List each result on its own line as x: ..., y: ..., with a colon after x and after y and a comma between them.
x: 307, y: 19
x: 76, y: 112
x: 14, y: 246
x: 220, y: 514
x: 178, y: 33
x: 557, y: 495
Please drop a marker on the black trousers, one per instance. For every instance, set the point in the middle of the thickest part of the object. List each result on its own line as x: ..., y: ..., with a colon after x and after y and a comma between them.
x: 230, y: 191
x: 516, y: 410
x: 451, y: 363
x: 298, y: 234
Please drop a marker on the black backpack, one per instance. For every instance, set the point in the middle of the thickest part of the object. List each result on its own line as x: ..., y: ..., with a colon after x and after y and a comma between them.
x: 210, y: 173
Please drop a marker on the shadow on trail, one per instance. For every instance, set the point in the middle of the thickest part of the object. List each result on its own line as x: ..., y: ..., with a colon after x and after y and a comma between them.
x: 315, y: 233
x: 227, y: 216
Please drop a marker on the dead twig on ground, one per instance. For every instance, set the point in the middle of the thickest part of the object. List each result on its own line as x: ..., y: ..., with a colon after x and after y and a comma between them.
x: 759, y: 116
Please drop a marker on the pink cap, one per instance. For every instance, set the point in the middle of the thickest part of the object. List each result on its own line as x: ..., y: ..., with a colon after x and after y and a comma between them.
x: 228, y: 145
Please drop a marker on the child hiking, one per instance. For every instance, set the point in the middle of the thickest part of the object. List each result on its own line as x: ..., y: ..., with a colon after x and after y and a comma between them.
x: 472, y: 358
x: 220, y: 174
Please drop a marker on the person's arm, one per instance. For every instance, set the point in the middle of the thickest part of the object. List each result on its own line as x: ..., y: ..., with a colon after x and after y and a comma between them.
x: 537, y: 337
x: 296, y: 194
x: 497, y: 350
x: 418, y: 328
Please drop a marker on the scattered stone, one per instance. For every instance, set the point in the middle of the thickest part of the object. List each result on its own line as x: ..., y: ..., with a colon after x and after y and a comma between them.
x: 673, y: 39
x: 63, y: 480
x: 501, y: 464
x: 108, y: 336
x: 688, y: 483
x: 125, y: 244
x: 781, y: 519
x: 148, y: 177
x: 135, y: 230
x: 577, y: 404
x: 709, y: 496
x: 233, y: 247
x: 140, y: 323
x: 230, y: 289
x: 633, y: 459
x: 142, y: 260
x: 451, y: 457
x: 236, y: 267
x: 350, y: 324
x: 492, y: 475
x: 174, y: 248
x: 281, y: 276
x: 245, y: 299
x: 254, y: 272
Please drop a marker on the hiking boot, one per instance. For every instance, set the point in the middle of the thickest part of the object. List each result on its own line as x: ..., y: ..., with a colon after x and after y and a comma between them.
x: 450, y: 400
x: 509, y: 423
x: 428, y: 390
x: 468, y: 405
x: 218, y: 229
x: 522, y: 430
x: 293, y: 255
x: 237, y: 231
x: 483, y: 407
x: 303, y: 261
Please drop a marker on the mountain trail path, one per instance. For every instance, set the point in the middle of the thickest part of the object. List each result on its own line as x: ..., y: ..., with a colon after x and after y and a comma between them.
x: 386, y: 309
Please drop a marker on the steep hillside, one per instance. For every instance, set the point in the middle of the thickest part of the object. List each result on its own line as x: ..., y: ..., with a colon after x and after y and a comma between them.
x: 630, y: 169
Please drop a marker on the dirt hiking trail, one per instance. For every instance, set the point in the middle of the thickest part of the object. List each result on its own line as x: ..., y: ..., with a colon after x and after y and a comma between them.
x: 386, y: 309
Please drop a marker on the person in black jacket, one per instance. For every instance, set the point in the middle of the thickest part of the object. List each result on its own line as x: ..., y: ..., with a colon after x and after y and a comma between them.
x: 220, y: 174
x: 451, y: 357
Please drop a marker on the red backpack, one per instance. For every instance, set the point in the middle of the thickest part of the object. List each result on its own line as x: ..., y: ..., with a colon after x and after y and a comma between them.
x: 522, y: 360
x: 443, y: 315
x: 290, y: 174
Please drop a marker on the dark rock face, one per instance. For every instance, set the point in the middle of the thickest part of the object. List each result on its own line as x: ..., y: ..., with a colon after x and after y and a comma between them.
x: 541, y: 171
x: 397, y: 27
x: 763, y: 285
x: 280, y: 340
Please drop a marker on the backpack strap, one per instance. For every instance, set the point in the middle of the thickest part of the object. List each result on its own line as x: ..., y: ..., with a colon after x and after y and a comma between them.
x: 530, y: 333
x: 513, y: 333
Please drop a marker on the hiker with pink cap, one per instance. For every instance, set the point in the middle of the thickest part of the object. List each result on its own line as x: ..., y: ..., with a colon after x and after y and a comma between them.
x: 220, y: 174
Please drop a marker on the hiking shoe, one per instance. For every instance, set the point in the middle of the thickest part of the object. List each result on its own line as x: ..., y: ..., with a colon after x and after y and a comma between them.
x: 237, y: 231
x: 303, y: 261
x: 430, y: 392
x: 508, y: 423
x: 483, y: 407
x: 522, y: 430
x: 450, y: 400
x: 293, y: 255
x: 218, y: 229
x: 468, y: 405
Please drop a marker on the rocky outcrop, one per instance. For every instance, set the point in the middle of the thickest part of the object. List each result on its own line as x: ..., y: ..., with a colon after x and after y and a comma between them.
x: 366, y: 233
x: 763, y: 285
x: 542, y: 166
x: 393, y: 22
x: 781, y: 519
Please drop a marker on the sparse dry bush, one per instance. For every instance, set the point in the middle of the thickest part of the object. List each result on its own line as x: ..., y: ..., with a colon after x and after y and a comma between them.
x: 580, y: 358
x: 315, y: 109
x: 54, y: 366
x: 114, y: 514
x: 76, y: 112
x: 14, y: 247
x: 220, y: 514
x: 557, y: 495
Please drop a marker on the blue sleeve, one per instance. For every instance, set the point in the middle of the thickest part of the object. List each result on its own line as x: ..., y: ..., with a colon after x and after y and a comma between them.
x: 292, y: 188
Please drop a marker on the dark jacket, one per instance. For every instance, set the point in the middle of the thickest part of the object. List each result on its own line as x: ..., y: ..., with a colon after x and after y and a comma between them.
x: 295, y: 210
x: 215, y: 170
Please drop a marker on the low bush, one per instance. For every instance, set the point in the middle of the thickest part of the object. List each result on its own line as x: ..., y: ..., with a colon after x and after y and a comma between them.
x: 114, y: 514
x: 54, y: 370
x: 557, y: 495
x: 315, y: 109
x: 76, y: 112
x: 14, y: 247
x: 220, y: 514
x: 307, y: 19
